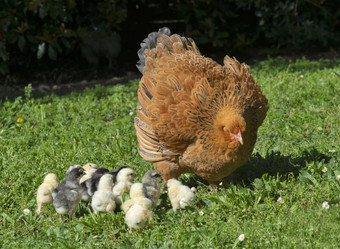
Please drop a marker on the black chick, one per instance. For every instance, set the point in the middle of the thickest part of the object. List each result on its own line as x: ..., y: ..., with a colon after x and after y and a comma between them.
x: 90, y: 186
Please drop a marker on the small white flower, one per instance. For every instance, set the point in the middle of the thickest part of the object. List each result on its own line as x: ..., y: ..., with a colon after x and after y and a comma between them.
x: 325, y: 205
x: 27, y: 211
x: 301, y: 76
x: 280, y: 200
x: 38, y: 167
x: 193, y: 189
x: 331, y: 150
x: 338, y: 176
x: 201, y: 213
x: 182, y: 201
x: 241, y: 237
x: 56, y: 143
x: 221, y: 184
x: 131, y: 112
x: 324, y: 170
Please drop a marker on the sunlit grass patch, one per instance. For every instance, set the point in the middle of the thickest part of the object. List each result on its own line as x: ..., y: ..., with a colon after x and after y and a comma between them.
x: 286, y: 196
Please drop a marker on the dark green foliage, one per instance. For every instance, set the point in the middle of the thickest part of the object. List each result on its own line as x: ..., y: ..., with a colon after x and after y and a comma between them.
x: 36, y: 31
x: 298, y: 23
x: 284, y: 23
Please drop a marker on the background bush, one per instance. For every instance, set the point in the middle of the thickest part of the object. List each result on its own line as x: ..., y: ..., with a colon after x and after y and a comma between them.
x: 31, y: 30
x: 39, y: 31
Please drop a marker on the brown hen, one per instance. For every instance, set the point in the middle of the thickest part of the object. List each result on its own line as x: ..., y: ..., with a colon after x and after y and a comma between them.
x: 195, y: 115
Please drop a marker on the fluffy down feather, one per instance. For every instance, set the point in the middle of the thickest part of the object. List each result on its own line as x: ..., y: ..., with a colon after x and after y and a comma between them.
x: 103, y: 199
x: 138, y: 208
x: 71, y: 168
x: 124, y: 182
x: 44, y: 193
x: 195, y: 115
x: 180, y: 195
x: 90, y: 166
x: 88, y: 174
x: 151, y: 186
x: 67, y: 195
x: 90, y: 185
x: 137, y: 196
x: 138, y: 216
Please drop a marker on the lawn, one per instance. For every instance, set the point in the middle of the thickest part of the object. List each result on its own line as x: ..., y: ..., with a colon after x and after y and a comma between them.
x: 275, y: 200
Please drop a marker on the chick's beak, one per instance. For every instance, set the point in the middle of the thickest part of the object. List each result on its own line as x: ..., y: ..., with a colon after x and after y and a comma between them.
x: 238, y: 137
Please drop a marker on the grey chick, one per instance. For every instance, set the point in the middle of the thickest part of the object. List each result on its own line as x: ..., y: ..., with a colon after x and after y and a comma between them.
x: 67, y: 195
x: 151, y: 186
x: 71, y: 168
x: 55, y: 191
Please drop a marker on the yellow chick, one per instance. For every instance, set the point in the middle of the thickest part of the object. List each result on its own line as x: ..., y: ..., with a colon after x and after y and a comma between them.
x: 88, y: 173
x: 89, y: 166
x: 103, y: 199
x: 137, y: 209
x: 180, y: 195
x: 44, y: 193
x: 124, y: 182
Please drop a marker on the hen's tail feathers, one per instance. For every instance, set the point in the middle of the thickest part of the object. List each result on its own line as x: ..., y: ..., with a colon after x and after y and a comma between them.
x: 150, y: 42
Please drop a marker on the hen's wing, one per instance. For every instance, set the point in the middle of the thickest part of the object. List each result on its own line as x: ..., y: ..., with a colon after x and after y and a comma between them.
x: 176, y: 82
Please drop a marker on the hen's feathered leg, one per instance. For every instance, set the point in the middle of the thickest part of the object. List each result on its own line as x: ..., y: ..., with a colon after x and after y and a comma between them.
x: 169, y: 169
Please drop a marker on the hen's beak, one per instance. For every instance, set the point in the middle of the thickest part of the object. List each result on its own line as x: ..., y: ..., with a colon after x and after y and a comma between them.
x: 238, y: 137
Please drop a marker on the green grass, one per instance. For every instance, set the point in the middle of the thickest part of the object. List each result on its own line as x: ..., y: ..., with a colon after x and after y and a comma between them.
x: 301, y: 127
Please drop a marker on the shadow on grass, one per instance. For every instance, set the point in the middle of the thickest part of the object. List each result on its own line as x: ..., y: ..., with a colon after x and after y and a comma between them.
x: 273, y: 164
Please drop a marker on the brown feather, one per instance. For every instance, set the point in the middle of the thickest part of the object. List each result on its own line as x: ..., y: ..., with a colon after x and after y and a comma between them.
x: 186, y: 100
